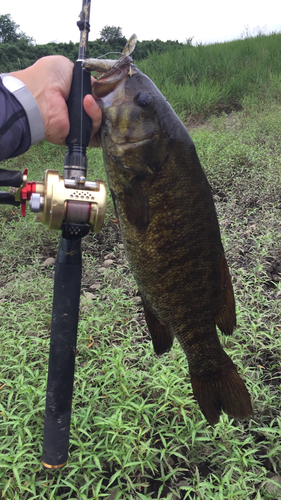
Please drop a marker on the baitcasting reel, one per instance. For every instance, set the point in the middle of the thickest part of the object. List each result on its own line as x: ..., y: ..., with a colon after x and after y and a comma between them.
x: 58, y: 200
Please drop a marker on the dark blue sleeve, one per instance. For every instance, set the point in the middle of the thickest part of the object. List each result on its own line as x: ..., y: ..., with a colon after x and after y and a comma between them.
x: 15, y: 137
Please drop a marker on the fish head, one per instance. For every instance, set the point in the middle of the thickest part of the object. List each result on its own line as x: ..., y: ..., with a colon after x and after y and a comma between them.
x: 132, y: 133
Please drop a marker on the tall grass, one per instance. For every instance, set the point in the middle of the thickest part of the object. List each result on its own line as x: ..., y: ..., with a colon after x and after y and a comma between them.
x: 202, y: 80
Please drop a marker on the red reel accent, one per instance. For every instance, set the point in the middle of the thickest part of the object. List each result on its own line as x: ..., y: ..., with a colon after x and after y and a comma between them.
x: 26, y: 193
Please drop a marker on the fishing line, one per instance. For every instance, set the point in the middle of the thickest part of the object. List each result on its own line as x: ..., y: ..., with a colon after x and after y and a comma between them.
x: 119, y: 53
x: 83, y: 13
x: 81, y: 111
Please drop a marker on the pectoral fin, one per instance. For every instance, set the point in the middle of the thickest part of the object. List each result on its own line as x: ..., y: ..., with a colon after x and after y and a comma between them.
x: 136, y: 205
x: 162, y: 337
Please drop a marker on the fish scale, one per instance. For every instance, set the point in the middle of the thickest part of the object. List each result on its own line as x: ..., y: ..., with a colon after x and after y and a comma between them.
x: 171, y: 235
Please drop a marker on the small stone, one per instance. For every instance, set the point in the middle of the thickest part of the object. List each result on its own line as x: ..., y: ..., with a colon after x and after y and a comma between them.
x: 272, y: 487
x: 183, y: 483
x: 138, y: 300
x: 113, y: 494
x: 252, y: 374
x: 108, y: 262
x: 86, y: 299
x: 50, y: 261
x: 94, y: 286
x: 170, y: 461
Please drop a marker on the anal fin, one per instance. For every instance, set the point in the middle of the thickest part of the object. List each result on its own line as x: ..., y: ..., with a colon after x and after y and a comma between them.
x: 225, y: 316
x: 114, y: 204
x: 162, y: 337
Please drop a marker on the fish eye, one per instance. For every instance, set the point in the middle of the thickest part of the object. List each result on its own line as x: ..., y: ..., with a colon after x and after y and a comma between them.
x: 143, y: 100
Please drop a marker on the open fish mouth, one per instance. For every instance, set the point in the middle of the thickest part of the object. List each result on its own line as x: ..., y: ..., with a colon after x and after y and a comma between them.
x: 133, y: 143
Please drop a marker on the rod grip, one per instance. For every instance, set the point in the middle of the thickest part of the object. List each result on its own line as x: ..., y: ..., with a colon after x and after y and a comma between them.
x: 67, y: 286
x: 10, y: 178
x: 80, y: 122
x: 8, y: 199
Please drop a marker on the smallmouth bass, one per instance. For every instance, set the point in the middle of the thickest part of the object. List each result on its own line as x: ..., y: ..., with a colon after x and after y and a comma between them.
x: 170, y: 233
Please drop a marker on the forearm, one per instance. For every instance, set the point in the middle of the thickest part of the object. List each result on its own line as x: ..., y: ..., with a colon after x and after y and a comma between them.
x: 20, y: 120
x: 35, y: 92
x: 47, y: 83
x: 36, y: 80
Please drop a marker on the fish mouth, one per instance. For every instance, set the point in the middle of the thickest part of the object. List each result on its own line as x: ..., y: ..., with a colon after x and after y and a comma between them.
x: 133, y: 143
x: 106, y: 84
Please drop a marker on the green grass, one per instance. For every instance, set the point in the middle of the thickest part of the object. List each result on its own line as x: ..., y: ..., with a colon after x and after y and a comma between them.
x: 201, y: 80
x: 136, y: 431
x: 136, y: 428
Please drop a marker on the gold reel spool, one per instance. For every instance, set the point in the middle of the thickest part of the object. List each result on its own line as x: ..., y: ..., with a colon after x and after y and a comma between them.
x: 67, y: 200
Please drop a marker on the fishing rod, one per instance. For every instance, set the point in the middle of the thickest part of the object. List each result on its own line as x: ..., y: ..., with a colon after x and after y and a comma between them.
x: 85, y: 210
x: 68, y: 271
x: 75, y: 206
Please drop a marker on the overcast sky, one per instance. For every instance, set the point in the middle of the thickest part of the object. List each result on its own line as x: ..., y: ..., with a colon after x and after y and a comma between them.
x: 206, y: 21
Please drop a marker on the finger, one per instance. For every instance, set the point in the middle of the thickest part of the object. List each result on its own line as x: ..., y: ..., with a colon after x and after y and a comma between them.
x: 94, y: 112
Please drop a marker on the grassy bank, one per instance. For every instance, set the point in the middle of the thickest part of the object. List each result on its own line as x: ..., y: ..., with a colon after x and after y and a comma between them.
x: 202, y: 80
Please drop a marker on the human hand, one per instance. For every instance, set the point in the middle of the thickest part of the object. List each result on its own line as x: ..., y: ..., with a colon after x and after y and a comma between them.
x: 49, y: 81
x: 94, y: 112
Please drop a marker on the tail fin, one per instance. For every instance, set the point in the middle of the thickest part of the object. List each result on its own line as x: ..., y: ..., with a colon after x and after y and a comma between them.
x: 222, y: 390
